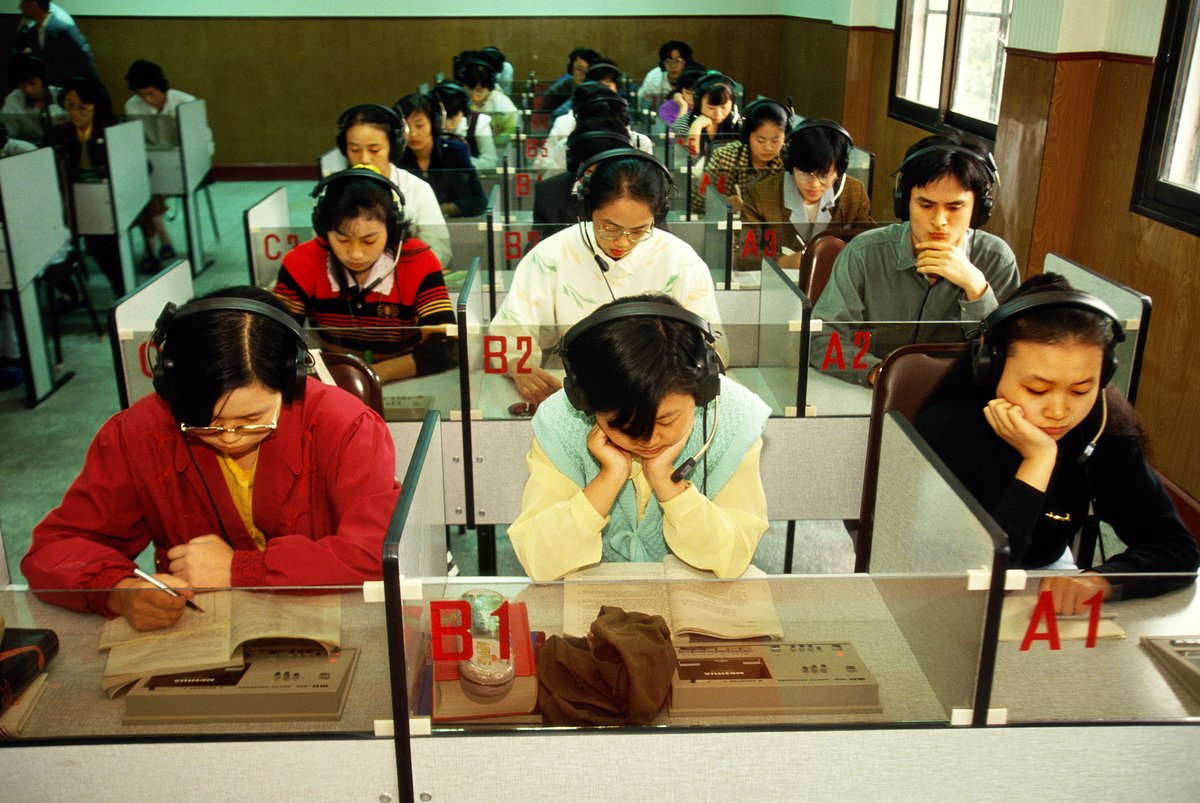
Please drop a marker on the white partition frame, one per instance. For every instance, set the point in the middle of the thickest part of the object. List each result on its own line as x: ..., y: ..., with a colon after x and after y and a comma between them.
x: 269, y: 235
x: 33, y: 234
x: 136, y: 313
x: 196, y: 163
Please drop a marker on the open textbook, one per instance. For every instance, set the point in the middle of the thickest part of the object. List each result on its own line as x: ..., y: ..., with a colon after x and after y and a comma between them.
x: 691, y: 600
x: 213, y: 639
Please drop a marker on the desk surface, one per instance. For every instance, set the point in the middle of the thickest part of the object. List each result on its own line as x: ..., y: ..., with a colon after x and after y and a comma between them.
x: 74, y: 705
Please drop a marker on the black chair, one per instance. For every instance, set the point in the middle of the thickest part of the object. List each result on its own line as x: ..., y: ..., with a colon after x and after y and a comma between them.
x: 816, y: 265
x: 66, y: 282
x: 353, y: 375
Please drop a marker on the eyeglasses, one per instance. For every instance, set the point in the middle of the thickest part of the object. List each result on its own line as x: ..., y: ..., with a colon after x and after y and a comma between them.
x: 77, y: 107
x: 239, y: 430
x: 610, y: 233
x: 826, y: 180
x: 675, y: 61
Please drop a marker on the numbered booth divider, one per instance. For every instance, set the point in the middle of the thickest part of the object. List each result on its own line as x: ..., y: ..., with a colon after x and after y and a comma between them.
x: 131, y: 321
x: 269, y: 235
x: 178, y: 147
x: 1132, y: 308
x: 111, y: 205
x: 33, y: 234
x: 330, y: 162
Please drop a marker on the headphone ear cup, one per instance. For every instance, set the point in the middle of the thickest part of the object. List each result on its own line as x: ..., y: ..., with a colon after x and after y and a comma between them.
x: 574, y: 393
x: 982, y: 211
x: 160, y: 377
x: 985, y: 366
x: 1108, y: 368
x: 899, y: 199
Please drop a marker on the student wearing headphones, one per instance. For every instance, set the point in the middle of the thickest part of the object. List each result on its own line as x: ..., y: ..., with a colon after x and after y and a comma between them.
x: 375, y: 135
x: 443, y: 161
x: 471, y: 127
x: 647, y: 449
x: 478, y: 77
x: 555, y: 207
x: 614, y: 250
x: 1047, y: 437
x: 559, y: 92
x: 815, y: 193
x: 756, y: 155
x: 502, y: 67
x: 713, y: 119
x: 935, y: 266
x: 660, y: 82
x: 601, y: 71
x: 590, y: 100
x: 240, y: 470
x: 679, y: 104
x: 368, y: 287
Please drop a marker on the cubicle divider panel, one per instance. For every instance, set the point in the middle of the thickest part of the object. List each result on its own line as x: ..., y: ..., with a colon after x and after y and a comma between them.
x: 468, y: 238
x: 269, y: 235
x: 1131, y: 306
x: 196, y: 158
x: 330, y: 162
x: 783, y: 316
x: 126, y: 144
x: 740, y: 327
x: 131, y: 321
x: 34, y: 233
x: 719, y: 235
x: 927, y: 523
x: 812, y: 468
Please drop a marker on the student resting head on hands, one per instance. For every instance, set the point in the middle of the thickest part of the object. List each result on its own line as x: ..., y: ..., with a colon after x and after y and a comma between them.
x: 648, y: 448
x: 369, y: 288
x: 614, y: 250
x: 239, y: 469
x: 1047, y: 436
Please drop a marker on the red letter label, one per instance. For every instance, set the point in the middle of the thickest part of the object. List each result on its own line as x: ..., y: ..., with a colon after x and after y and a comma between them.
x: 750, y: 244
x: 525, y: 346
x: 863, y: 341
x: 1044, y: 610
x: 440, y: 630
x: 833, y: 353
x: 494, y: 347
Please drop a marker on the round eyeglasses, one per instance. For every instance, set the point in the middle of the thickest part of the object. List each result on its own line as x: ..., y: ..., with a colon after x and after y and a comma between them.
x: 611, y: 233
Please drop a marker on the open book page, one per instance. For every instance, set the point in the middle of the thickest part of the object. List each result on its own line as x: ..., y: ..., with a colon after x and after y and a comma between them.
x: 216, y: 612
x: 207, y: 648
x: 741, y: 608
x: 258, y: 615
x: 630, y: 586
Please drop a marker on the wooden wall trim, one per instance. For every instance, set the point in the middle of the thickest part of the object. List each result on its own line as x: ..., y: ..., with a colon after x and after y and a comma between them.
x: 1100, y: 55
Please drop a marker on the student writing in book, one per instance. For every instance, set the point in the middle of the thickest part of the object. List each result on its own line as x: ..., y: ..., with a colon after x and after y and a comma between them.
x: 239, y: 469
x: 647, y: 449
x: 1046, y: 438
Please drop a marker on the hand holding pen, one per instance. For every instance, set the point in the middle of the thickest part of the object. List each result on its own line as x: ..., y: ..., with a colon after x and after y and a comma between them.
x: 154, y: 581
x: 147, y: 602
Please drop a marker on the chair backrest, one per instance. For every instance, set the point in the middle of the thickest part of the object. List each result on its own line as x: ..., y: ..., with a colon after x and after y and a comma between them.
x: 1187, y: 505
x: 816, y: 265
x: 909, y: 380
x: 354, y: 376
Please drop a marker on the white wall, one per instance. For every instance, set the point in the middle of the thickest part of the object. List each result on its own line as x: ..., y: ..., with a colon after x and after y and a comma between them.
x: 1083, y: 26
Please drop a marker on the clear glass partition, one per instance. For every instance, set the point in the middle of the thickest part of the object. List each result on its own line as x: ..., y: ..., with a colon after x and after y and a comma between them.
x: 843, y: 356
x: 1131, y: 306
x: 1119, y: 660
x: 310, y: 660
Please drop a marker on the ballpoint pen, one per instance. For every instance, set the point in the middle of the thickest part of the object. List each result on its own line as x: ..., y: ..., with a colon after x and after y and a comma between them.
x: 154, y: 581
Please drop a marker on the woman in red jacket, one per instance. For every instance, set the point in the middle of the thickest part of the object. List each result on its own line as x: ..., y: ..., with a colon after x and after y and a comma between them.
x: 240, y: 469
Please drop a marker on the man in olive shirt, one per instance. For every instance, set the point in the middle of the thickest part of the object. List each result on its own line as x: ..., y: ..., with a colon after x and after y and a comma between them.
x: 935, y: 266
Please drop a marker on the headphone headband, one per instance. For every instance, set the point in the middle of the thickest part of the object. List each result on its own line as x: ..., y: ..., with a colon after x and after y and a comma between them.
x: 171, y: 315
x: 640, y: 309
x: 831, y: 125
x: 628, y: 152
x: 395, y: 233
x: 982, y: 209
x: 988, y: 358
x: 397, y: 128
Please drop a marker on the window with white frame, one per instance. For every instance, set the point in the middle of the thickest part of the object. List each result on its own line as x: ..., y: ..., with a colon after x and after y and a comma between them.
x: 948, y: 63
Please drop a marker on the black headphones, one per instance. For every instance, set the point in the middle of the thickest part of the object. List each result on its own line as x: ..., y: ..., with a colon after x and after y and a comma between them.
x: 748, y: 116
x: 982, y: 209
x: 452, y: 88
x: 164, y: 368
x: 467, y: 58
x: 397, y: 128
x: 710, y: 80
x: 395, y: 213
x: 580, y: 190
x: 598, y: 98
x: 711, y: 385
x: 988, y: 356
x: 436, y: 112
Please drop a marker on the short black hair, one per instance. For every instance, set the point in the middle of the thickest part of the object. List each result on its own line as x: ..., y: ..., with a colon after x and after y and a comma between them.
x: 418, y: 102
x: 690, y: 75
x: 763, y: 113
x: 376, y: 115
x: 593, y: 136
x: 143, y: 73
x: 216, y: 352
x: 92, y: 93
x: 44, y: 5
x: 626, y: 366
x: 24, y: 67
x: 594, y: 99
x: 1057, y: 324
x: 712, y: 88
x: 634, y: 178
x: 453, y: 96
x: 685, y: 50
x: 817, y: 148
x: 476, y: 74
x: 944, y: 156
x: 353, y: 197
x: 603, y: 70
x: 493, y: 55
x: 585, y: 53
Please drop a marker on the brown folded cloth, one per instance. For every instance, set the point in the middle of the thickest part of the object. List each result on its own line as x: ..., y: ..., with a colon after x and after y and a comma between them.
x: 619, y: 675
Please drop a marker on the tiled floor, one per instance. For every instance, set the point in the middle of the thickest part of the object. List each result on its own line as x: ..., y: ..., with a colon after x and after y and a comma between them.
x: 42, y: 449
